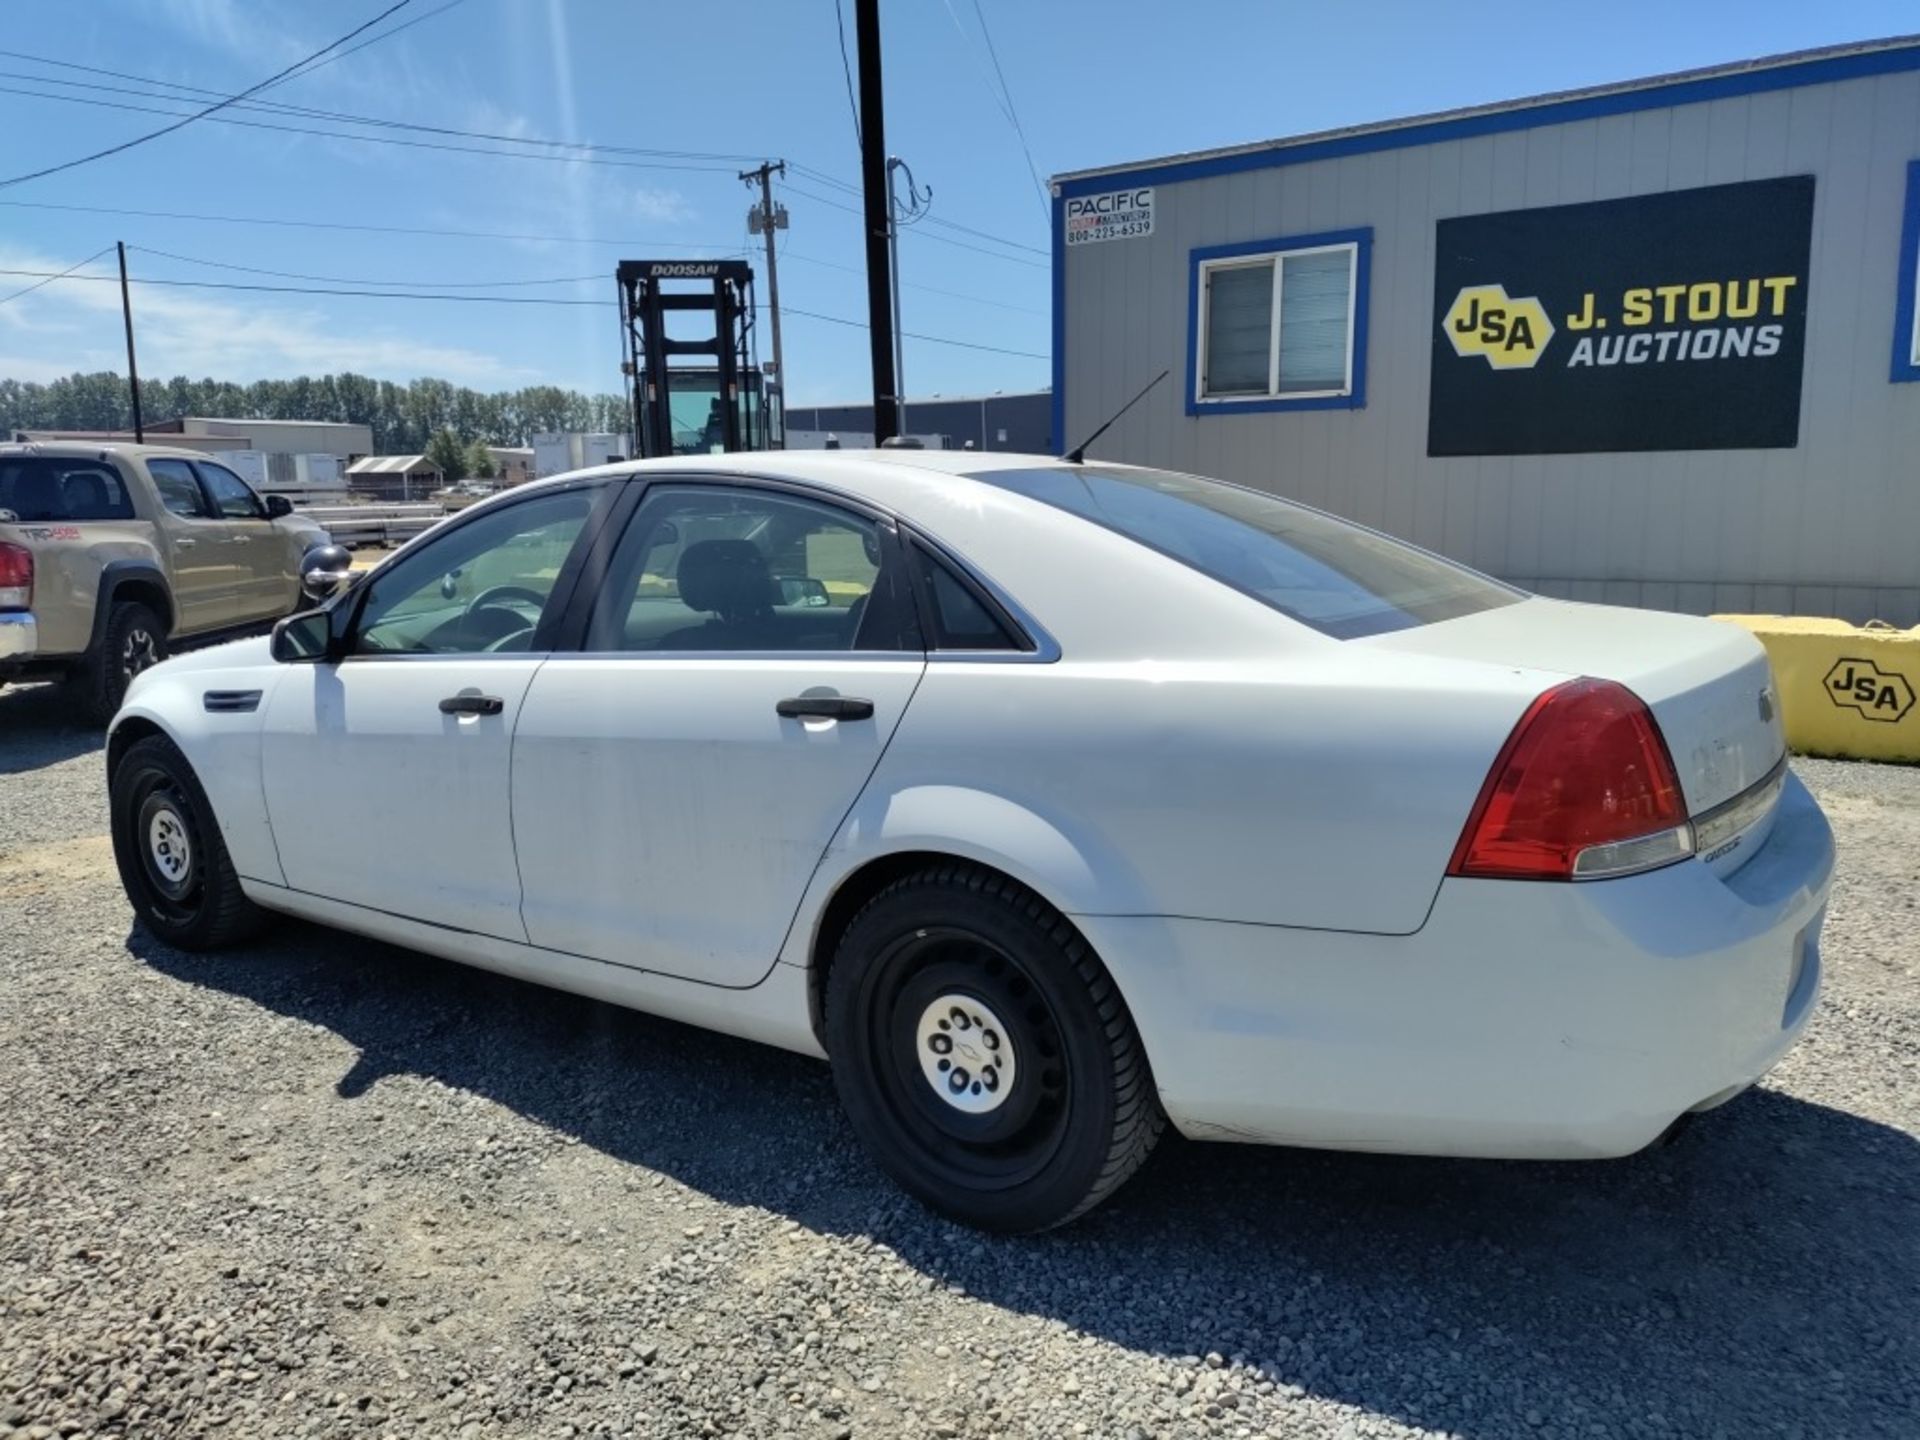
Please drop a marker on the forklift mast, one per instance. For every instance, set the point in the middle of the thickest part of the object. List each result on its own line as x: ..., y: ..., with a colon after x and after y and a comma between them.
x: 717, y: 402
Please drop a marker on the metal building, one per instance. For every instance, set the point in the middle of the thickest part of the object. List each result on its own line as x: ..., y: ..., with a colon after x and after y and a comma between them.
x: 1018, y: 421
x: 1651, y: 343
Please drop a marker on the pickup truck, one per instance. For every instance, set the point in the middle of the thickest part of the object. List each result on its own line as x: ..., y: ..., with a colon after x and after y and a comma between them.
x: 113, y: 556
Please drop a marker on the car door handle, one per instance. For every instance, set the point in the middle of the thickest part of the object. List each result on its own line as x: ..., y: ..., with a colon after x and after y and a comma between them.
x: 824, y: 707
x: 184, y: 544
x: 472, y: 705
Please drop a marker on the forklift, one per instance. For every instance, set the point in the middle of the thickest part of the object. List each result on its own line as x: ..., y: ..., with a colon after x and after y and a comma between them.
x: 719, y: 399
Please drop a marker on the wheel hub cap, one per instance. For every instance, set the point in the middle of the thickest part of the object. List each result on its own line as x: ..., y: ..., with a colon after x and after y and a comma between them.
x: 138, y: 653
x: 168, y: 846
x: 966, y: 1054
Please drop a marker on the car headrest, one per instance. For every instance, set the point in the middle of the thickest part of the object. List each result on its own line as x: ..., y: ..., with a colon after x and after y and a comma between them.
x: 86, y: 493
x: 37, y: 495
x: 728, y: 577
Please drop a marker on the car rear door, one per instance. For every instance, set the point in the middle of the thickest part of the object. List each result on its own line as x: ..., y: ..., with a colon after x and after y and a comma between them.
x: 387, y: 773
x: 195, y: 540
x: 741, y: 668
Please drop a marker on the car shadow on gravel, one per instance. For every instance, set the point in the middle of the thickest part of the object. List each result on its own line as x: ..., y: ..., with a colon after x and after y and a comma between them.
x: 1759, y: 1276
x: 41, y: 725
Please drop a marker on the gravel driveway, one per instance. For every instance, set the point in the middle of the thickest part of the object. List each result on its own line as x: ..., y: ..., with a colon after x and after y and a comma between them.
x: 325, y: 1187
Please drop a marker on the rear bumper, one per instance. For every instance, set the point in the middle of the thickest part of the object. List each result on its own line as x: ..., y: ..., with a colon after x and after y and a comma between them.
x: 19, y: 636
x: 1523, y: 1020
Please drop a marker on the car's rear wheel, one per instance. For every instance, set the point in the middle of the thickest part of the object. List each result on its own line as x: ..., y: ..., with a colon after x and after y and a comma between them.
x: 984, y: 1054
x: 135, y: 640
x: 172, y: 860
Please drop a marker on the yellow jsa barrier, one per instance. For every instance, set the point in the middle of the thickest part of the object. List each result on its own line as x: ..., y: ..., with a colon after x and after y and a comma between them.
x: 1845, y: 690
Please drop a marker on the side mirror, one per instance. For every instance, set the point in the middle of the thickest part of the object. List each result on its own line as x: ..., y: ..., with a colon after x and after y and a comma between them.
x: 305, y: 637
x: 278, y: 506
x: 325, y: 571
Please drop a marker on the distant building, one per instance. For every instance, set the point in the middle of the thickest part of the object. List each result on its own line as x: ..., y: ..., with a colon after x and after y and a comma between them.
x: 393, y: 477
x: 512, y: 464
x: 1021, y: 422
x: 287, y: 455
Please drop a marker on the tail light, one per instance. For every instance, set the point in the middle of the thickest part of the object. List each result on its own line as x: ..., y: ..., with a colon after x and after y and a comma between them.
x: 1584, y: 788
x: 16, y: 577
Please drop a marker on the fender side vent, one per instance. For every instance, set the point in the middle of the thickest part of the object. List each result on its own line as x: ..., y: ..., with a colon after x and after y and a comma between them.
x: 232, y: 702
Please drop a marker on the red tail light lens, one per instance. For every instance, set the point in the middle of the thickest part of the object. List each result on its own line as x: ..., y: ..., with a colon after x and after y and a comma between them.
x: 1584, y: 788
x: 16, y: 577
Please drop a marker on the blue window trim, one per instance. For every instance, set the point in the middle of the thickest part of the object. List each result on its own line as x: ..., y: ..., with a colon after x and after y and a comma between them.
x: 1903, y: 366
x: 1820, y: 70
x: 1356, y: 396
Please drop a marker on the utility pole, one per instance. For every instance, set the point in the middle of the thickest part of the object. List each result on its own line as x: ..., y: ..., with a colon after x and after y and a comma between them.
x: 879, y: 221
x: 916, y: 205
x: 765, y: 218
x: 133, y: 375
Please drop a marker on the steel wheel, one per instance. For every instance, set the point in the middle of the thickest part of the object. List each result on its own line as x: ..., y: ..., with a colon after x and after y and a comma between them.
x: 983, y: 1053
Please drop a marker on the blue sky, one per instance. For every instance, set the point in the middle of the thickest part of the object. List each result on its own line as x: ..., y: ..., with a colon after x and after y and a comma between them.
x: 1092, y: 81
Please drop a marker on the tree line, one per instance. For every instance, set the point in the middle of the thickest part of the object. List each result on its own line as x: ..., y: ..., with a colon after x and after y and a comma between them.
x: 404, y: 417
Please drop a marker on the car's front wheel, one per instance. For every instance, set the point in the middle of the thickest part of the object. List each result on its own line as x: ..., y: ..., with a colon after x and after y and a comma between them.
x: 172, y: 860
x: 984, y: 1054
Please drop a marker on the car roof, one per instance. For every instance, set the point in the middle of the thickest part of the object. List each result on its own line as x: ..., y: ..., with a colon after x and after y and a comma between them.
x: 886, y: 477
x: 95, y: 449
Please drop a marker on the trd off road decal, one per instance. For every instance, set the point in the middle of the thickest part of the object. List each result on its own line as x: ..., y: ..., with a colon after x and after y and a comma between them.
x: 1661, y: 322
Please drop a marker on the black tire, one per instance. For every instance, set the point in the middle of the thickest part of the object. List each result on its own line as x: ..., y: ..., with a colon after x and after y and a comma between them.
x: 172, y: 860
x: 135, y: 639
x: 1079, y: 1112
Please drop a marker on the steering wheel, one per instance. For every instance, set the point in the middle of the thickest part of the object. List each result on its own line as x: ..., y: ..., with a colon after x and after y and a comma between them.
x: 491, y: 618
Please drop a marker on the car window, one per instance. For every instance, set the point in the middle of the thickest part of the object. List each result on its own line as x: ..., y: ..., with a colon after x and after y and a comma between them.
x: 714, y: 567
x: 232, y: 496
x: 481, y: 587
x: 962, y: 619
x: 48, y: 487
x: 1341, y: 579
x: 179, y: 492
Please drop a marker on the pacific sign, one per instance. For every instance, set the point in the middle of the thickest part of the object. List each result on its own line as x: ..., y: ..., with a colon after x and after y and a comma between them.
x: 1116, y: 215
x: 1664, y: 322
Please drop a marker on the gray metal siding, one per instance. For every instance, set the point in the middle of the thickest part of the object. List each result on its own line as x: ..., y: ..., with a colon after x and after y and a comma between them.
x: 1830, y: 527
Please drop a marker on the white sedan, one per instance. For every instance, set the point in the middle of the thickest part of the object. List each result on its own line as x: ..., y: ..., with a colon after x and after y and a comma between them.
x: 1051, y: 802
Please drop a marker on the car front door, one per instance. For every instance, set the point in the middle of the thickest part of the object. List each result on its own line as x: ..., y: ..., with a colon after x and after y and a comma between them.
x: 264, y: 585
x: 195, y: 540
x: 740, y: 670
x: 387, y: 772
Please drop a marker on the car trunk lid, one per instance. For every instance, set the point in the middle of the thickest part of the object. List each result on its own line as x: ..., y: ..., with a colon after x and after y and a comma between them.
x: 1708, y: 685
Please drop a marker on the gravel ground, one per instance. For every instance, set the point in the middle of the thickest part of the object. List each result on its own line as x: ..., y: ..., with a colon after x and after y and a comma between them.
x: 324, y: 1187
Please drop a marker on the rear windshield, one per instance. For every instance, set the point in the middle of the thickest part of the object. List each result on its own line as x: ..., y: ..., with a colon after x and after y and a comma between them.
x: 1338, y: 578
x: 53, y: 487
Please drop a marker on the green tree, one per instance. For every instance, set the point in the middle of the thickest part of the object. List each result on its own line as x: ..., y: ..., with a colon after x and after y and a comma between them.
x: 479, y: 461
x: 447, y: 455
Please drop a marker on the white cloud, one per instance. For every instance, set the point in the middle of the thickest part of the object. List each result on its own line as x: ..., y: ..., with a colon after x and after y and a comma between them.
x: 665, y: 207
x: 184, y: 334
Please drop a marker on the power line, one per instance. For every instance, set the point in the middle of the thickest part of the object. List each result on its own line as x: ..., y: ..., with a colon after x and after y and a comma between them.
x: 366, y: 139
x: 820, y: 177
x: 396, y: 284
x: 374, y: 294
x: 29, y: 289
x: 273, y: 107
x: 303, y: 70
x: 125, y: 145
x: 846, y: 69
x: 943, y: 239
x: 371, y: 229
x: 1013, y: 114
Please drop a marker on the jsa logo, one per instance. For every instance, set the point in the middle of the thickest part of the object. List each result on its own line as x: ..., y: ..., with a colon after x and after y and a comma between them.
x: 1862, y: 685
x: 1509, y: 333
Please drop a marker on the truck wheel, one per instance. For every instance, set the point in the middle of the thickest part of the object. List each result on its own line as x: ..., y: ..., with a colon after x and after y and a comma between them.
x: 984, y: 1054
x: 171, y: 857
x: 135, y: 640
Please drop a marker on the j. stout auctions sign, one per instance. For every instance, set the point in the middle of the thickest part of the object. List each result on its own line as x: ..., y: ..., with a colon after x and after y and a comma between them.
x: 1664, y: 322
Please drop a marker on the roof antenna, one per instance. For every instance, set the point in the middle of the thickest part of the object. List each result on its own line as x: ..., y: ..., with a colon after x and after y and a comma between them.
x: 1079, y: 452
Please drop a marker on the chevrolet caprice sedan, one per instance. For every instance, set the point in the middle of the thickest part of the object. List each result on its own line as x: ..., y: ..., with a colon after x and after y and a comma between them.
x: 1050, y: 802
